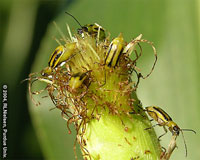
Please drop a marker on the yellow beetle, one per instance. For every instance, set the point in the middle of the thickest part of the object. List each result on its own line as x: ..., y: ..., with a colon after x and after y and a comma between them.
x: 92, y: 29
x: 77, y: 80
x: 114, y: 50
x: 46, y: 71
x: 61, y: 54
x: 164, y: 120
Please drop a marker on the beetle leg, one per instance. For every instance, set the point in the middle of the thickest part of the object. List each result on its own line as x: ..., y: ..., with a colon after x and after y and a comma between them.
x: 165, y: 129
x: 151, y: 127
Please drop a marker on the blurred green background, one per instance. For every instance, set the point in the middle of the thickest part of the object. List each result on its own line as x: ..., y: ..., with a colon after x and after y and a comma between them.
x: 27, y: 40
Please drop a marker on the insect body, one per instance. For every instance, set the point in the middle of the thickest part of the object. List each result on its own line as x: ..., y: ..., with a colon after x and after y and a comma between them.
x: 77, y: 80
x: 164, y: 120
x: 61, y: 54
x: 93, y: 30
x: 46, y: 71
x: 114, y: 50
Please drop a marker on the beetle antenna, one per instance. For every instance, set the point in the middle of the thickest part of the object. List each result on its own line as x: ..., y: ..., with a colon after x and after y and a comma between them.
x: 184, y: 138
x: 74, y: 19
x: 189, y: 130
x: 184, y: 143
